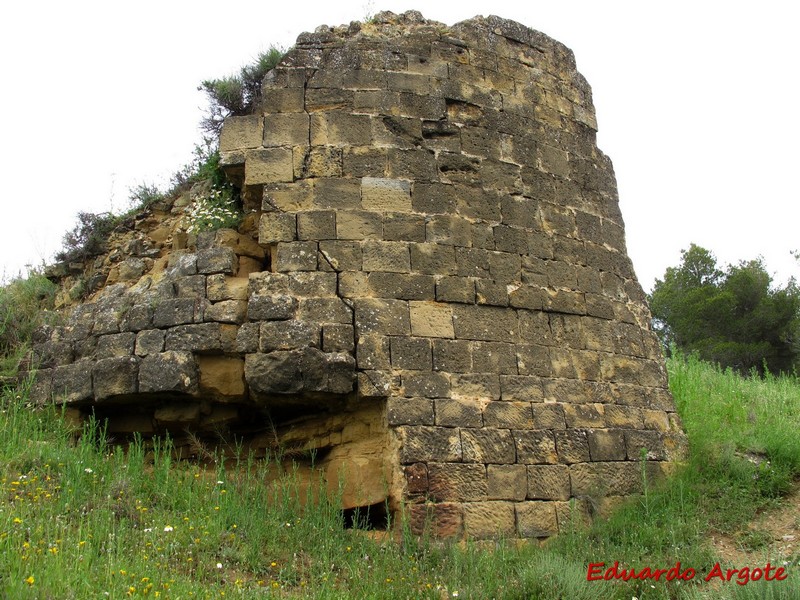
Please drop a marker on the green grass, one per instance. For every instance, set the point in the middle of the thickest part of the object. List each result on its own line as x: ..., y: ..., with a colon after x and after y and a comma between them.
x: 23, y: 307
x: 80, y: 518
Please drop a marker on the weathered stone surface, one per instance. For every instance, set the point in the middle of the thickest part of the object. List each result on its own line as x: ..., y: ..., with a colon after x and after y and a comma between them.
x: 216, y: 260
x: 72, y: 383
x: 201, y: 337
x: 385, y: 195
x: 176, y: 311
x: 507, y: 482
x: 170, y: 371
x: 241, y: 132
x: 338, y: 337
x: 56, y: 353
x: 116, y: 376
x: 444, y: 519
x: 316, y: 225
x: 150, y: 341
x: 298, y: 371
x: 548, y: 482
x: 375, y: 384
x: 422, y: 444
x: 429, y: 385
x: 430, y: 319
x: 535, y: 446
x: 536, y: 519
x: 606, y: 444
x: 488, y: 446
x: 296, y: 256
x: 41, y: 387
x: 120, y: 344
x: 222, y: 287
x: 387, y: 317
x: 411, y: 353
x: 226, y: 311
x: 486, y: 520
x: 325, y: 310
x: 221, y: 375
x: 277, y: 227
x: 287, y: 335
x: 448, y: 482
x: 138, y: 317
x: 603, y: 478
x: 271, y: 308
x: 410, y: 411
x: 270, y: 165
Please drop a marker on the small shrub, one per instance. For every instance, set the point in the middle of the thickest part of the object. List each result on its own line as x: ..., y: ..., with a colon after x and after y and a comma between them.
x: 88, y: 237
x: 145, y: 195
x: 237, y: 94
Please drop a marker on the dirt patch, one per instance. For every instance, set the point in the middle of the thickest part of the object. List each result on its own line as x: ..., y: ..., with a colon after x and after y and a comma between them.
x: 773, y: 534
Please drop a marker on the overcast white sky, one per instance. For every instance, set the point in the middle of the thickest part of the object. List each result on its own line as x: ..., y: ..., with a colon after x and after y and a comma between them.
x: 697, y: 105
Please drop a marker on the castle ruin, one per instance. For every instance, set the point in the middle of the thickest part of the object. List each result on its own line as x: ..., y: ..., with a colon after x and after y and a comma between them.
x: 429, y: 299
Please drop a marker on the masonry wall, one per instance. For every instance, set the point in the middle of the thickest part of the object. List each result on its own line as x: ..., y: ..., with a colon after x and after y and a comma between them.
x: 439, y: 240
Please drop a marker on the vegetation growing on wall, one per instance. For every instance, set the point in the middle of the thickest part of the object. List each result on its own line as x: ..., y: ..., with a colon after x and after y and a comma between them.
x: 237, y: 94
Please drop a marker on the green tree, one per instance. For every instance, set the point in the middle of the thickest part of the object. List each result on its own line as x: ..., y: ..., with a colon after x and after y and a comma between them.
x: 734, y: 317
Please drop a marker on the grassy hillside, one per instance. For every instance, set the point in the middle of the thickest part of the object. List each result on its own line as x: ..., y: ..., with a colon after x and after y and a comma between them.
x: 86, y: 519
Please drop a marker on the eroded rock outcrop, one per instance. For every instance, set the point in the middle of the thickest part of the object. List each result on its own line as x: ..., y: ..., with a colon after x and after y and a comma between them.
x: 430, y: 294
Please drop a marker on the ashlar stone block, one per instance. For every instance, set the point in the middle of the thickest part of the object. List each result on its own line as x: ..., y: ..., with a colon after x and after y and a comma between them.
x: 431, y: 319
x: 488, y: 446
x: 392, y: 257
x: 240, y: 133
x: 384, y: 316
x: 424, y: 444
x: 385, y: 195
x: 295, y: 256
x: 411, y: 353
x: 358, y: 225
x: 548, y: 482
x: 268, y: 165
x: 286, y: 129
x: 489, y: 520
x: 170, y: 371
x: 277, y: 227
x: 536, y: 519
x: 537, y: 446
x: 115, y: 376
x: 508, y: 415
x: 149, y: 341
x: 450, y: 482
x: 508, y: 482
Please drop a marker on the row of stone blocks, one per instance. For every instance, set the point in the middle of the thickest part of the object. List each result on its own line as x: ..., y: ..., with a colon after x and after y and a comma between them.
x: 362, y: 207
x: 459, y: 482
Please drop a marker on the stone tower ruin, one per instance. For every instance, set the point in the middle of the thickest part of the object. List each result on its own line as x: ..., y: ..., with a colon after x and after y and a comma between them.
x: 430, y: 299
